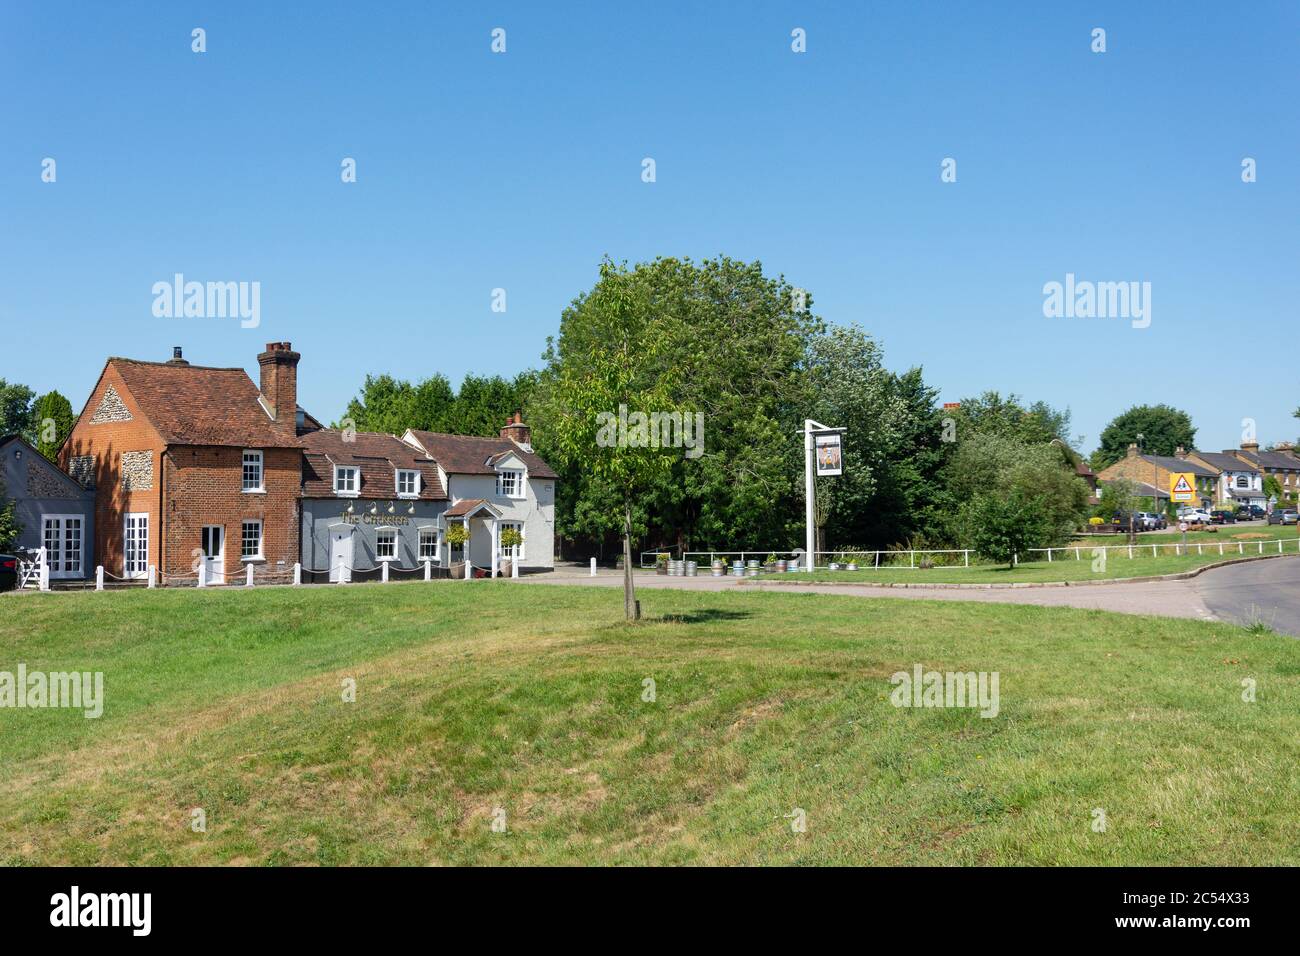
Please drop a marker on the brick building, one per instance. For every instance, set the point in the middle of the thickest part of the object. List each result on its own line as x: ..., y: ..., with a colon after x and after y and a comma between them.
x: 192, y: 463
x: 1156, y: 470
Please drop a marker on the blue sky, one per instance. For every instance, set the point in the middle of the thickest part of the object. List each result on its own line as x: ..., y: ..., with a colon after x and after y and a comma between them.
x: 520, y: 171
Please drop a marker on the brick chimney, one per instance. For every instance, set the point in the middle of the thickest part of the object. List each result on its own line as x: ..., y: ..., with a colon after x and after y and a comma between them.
x: 1180, y: 452
x: 1250, y: 446
x: 1132, y: 449
x: 517, y: 431
x: 177, y: 358
x: 280, y: 384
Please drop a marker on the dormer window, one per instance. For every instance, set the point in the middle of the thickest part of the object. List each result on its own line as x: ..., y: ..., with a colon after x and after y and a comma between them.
x: 408, y: 483
x: 347, y: 480
x: 510, y: 483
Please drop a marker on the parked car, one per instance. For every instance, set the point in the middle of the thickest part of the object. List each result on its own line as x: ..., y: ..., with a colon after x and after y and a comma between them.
x: 1127, y: 520
x: 8, y: 572
x: 1283, y: 516
x: 1223, y: 516
x: 1256, y: 512
x: 1195, y: 516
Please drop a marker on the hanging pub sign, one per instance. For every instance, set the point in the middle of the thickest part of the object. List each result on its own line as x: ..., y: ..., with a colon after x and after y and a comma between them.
x: 829, y: 461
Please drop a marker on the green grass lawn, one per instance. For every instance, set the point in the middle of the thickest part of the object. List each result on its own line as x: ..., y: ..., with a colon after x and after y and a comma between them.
x: 528, y: 698
x: 1063, y: 567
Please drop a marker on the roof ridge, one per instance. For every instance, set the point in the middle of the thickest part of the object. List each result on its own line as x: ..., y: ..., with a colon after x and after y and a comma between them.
x: 189, y: 365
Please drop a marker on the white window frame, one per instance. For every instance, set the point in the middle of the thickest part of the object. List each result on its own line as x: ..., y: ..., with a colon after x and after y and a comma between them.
x: 521, y: 476
x: 250, y: 455
x: 415, y: 482
x: 380, y: 535
x: 261, y: 540
x: 436, y: 535
x: 141, y: 541
x: 356, y: 481
x: 64, y: 562
x: 523, y: 544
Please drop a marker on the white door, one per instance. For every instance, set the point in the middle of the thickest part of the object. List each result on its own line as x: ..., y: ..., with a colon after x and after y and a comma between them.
x: 62, y: 538
x: 135, y: 545
x: 341, y: 554
x: 214, y: 554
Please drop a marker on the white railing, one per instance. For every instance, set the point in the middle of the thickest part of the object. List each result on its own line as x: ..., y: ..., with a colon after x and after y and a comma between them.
x: 1224, y: 548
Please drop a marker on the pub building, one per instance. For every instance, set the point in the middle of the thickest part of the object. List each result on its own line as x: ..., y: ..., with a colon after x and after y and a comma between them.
x: 368, y: 499
x: 200, y: 475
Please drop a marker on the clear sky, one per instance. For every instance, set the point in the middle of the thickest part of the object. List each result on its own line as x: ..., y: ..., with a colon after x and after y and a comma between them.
x: 521, y: 170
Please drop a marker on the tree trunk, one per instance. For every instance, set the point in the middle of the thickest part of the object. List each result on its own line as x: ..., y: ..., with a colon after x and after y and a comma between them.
x: 629, y: 588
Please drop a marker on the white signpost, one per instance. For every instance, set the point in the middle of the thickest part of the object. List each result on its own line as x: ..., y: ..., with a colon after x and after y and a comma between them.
x: 823, y: 455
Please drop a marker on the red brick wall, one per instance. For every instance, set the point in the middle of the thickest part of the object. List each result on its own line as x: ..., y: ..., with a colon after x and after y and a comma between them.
x: 204, y: 488
x: 107, y: 441
x: 193, y: 486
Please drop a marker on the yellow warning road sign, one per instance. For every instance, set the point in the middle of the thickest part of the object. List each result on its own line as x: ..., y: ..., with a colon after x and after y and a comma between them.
x: 1182, y: 486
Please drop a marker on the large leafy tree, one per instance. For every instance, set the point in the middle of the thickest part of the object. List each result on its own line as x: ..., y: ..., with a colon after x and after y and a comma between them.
x: 891, y: 448
x: 480, y: 407
x: 992, y: 414
x: 15, y: 408
x: 621, y: 356
x: 735, y: 340
x: 1163, y: 430
x: 51, y: 421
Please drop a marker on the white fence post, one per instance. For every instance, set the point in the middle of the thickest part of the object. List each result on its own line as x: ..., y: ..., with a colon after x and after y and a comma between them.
x: 514, y: 567
x: 593, y: 567
x: 99, y: 578
x: 297, y: 572
x: 469, y: 568
x: 203, y: 574
x: 153, y: 576
x: 248, y: 577
x: 383, y: 571
x: 428, y: 570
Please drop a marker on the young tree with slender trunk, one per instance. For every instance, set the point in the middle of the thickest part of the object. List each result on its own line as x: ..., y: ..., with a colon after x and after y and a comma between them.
x: 598, y: 395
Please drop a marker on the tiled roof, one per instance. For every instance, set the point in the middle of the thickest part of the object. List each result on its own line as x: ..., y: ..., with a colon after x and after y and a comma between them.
x: 378, y: 456
x: 1223, y: 461
x: 198, y: 405
x: 469, y: 455
x: 1269, y: 459
x: 1169, y: 463
x: 1140, y: 488
x: 465, y: 506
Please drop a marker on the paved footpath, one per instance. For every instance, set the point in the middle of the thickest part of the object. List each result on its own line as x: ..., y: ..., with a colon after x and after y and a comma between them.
x: 1267, y: 589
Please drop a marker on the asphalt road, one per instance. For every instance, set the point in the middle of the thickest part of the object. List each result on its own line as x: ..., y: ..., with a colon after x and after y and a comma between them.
x: 1261, y: 590
x: 1265, y: 590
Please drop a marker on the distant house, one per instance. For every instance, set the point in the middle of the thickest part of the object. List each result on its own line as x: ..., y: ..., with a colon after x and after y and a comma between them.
x: 1156, y: 471
x: 1239, y: 483
x: 53, y: 510
x: 1281, y: 463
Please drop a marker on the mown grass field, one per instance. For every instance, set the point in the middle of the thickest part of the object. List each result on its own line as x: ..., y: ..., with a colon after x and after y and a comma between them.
x: 1064, y: 566
x: 485, y: 695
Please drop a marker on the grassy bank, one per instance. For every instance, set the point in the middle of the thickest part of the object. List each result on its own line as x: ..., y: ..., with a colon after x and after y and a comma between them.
x: 474, y: 697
